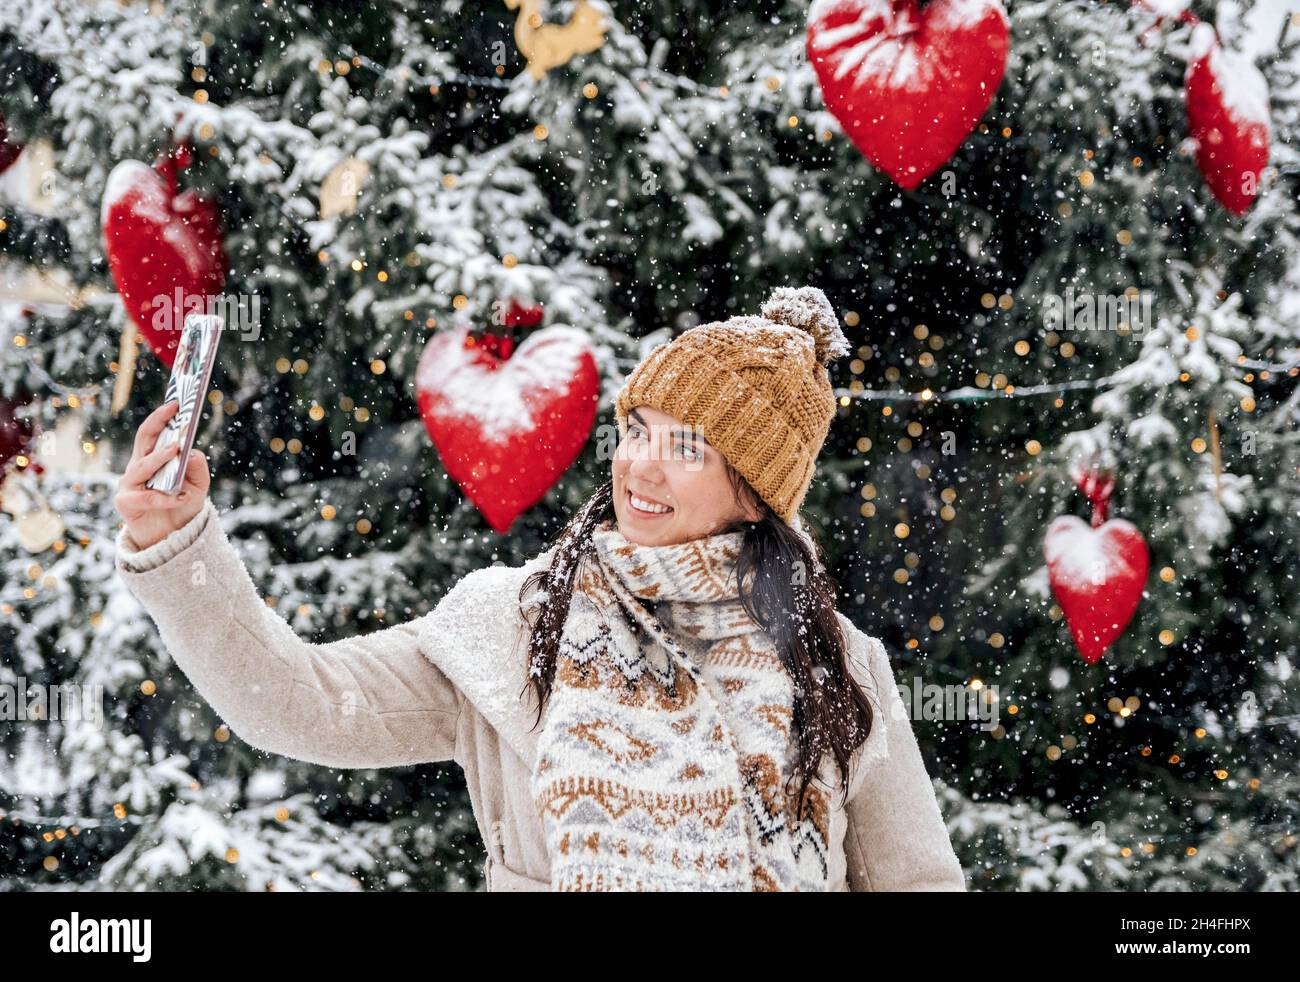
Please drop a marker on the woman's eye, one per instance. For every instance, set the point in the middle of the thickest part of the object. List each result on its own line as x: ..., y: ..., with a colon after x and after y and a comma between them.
x: 687, y: 452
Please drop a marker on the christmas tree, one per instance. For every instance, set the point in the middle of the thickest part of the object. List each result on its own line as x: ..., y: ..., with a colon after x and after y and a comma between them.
x: 376, y: 179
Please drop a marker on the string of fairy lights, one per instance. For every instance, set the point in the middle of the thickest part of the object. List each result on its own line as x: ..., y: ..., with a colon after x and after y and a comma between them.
x: 846, y: 394
x: 1007, y: 391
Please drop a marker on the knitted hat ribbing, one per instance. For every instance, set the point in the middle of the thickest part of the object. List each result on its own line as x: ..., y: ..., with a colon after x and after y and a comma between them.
x: 756, y: 387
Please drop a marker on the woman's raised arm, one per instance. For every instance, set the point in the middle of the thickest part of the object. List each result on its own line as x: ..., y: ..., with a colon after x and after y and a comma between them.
x: 368, y: 701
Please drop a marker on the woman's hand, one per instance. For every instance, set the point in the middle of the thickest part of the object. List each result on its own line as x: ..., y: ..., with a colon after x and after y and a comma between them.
x: 150, y: 515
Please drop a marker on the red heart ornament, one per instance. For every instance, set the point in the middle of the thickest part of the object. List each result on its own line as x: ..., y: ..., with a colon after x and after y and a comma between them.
x: 15, y: 432
x: 1097, y: 575
x: 908, y: 85
x: 1227, y: 113
x: 507, y: 428
x: 164, y: 250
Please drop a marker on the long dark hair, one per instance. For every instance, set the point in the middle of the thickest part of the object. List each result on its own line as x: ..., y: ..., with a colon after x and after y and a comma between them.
x: 791, y: 597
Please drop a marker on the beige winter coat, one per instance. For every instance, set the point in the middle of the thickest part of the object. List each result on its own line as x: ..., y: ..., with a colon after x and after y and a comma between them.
x: 446, y: 686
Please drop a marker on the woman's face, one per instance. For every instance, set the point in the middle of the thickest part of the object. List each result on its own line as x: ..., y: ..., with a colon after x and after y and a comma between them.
x: 662, y: 460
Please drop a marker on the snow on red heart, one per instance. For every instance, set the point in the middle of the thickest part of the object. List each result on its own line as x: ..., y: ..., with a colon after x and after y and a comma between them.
x: 164, y: 250
x: 1097, y: 575
x: 506, y: 429
x: 1227, y: 114
x: 908, y: 85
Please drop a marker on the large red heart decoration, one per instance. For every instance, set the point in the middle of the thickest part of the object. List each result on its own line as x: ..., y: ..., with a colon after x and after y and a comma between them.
x: 1227, y: 113
x: 507, y: 428
x: 9, y: 150
x: 164, y: 250
x: 908, y: 85
x: 1097, y: 575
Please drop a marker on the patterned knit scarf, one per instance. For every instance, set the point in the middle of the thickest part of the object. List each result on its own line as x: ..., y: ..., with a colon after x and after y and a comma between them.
x: 667, y: 740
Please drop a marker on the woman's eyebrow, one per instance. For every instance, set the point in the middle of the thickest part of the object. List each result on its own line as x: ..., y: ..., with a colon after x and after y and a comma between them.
x: 689, y: 434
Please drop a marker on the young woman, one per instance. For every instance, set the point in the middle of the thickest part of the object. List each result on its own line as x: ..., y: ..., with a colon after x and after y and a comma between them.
x: 665, y: 699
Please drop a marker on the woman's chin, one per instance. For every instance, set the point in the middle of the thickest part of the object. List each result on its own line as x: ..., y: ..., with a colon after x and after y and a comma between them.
x: 633, y: 534
x: 637, y: 532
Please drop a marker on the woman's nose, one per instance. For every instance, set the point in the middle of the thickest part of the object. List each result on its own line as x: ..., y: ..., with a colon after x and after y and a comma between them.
x: 645, y: 463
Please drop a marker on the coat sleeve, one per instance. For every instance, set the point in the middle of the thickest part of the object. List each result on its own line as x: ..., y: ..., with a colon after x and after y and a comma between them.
x: 895, y: 837
x: 369, y: 701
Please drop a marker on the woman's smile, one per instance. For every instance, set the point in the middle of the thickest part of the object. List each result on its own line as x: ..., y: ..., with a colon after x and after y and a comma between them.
x: 646, y: 508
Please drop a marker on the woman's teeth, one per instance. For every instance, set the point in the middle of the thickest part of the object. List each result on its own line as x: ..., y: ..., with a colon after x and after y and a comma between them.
x: 641, y: 505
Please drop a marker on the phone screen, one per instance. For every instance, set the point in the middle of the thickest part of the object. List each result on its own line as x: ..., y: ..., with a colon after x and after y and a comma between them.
x: 195, y: 356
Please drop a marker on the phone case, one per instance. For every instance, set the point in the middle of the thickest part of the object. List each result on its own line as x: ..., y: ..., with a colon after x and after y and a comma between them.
x: 195, y: 356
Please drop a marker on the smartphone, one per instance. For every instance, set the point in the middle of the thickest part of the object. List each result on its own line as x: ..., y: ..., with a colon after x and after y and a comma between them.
x: 191, y: 371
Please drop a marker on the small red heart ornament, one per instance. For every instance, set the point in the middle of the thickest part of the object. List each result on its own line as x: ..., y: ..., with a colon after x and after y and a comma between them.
x: 164, y: 249
x: 1227, y: 113
x: 9, y: 150
x: 507, y: 428
x: 908, y: 85
x: 1097, y: 575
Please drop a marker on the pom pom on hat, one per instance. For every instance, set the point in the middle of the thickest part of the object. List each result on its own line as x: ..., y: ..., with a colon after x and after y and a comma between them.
x: 807, y: 308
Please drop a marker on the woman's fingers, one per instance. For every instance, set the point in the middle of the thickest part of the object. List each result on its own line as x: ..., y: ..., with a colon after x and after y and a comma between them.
x: 197, y: 478
x: 142, y: 468
x: 147, y: 435
x: 141, y: 501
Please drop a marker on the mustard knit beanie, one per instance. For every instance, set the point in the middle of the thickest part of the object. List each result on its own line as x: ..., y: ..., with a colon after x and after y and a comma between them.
x: 756, y: 387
